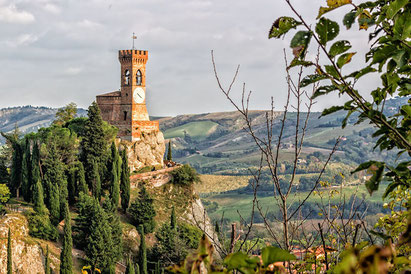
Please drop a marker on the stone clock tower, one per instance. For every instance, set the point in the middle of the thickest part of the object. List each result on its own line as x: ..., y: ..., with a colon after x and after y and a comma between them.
x: 126, y: 108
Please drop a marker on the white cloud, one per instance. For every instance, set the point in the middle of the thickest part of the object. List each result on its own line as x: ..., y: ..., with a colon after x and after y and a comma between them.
x: 51, y: 8
x: 10, y: 14
x: 71, y: 71
x: 22, y: 40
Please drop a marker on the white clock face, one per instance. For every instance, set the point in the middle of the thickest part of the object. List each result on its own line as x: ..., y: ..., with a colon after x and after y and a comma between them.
x: 139, y: 95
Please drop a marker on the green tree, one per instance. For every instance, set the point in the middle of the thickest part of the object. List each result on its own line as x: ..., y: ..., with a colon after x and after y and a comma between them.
x: 9, y: 254
x: 115, y: 186
x: 173, y: 220
x: 99, y: 240
x: 81, y: 179
x: 142, y: 252
x: 125, y: 182
x: 4, y: 194
x: 38, y: 199
x: 47, y: 269
x: 137, y: 269
x: 142, y: 211
x: 98, y: 232
x: 65, y: 114
x: 66, y: 260
x: 72, y: 184
x: 4, y: 173
x: 35, y: 166
x: 130, y: 267
x: 185, y: 175
x: 26, y: 171
x: 93, y: 143
x: 96, y: 181
x: 17, y: 159
x: 169, y: 155
x: 54, y: 202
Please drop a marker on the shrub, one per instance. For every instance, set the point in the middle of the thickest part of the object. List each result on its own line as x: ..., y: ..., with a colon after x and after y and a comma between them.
x: 40, y: 226
x: 185, y: 175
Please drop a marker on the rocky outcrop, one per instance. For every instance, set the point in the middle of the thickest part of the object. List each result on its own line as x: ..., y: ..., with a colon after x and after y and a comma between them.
x: 25, y: 250
x: 148, y: 151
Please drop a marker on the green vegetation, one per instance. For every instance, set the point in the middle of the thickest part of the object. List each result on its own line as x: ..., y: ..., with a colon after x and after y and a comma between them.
x: 142, y: 251
x: 66, y: 261
x: 142, y: 211
x: 125, y: 183
x: 195, y: 130
x: 185, y: 175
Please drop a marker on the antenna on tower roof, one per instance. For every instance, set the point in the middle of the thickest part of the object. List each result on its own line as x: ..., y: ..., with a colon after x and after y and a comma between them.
x: 134, y: 38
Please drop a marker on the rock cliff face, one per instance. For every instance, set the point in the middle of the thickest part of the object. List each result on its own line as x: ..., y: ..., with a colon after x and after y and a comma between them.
x: 25, y: 250
x: 148, y: 151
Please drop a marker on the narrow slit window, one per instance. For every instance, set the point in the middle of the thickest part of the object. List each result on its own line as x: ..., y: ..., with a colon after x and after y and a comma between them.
x: 125, y: 115
x: 139, y: 77
x: 126, y: 77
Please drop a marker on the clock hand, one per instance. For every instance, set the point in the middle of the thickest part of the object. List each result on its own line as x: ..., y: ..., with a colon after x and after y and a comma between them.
x: 139, y: 96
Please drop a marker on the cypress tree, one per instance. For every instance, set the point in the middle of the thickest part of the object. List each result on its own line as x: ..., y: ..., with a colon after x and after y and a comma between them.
x: 4, y: 173
x: 115, y: 175
x: 169, y: 155
x: 17, y: 159
x: 71, y: 184
x: 9, y: 255
x: 35, y: 165
x: 66, y: 260
x: 99, y: 241
x: 63, y: 198
x: 173, y: 221
x: 38, y: 199
x: 142, y: 211
x: 54, y: 200
x: 137, y: 269
x: 93, y: 143
x: 26, y: 172
x: 81, y: 179
x: 125, y: 182
x: 115, y: 186
x: 142, y: 253
x: 47, y: 263
x: 130, y: 267
x: 96, y: 182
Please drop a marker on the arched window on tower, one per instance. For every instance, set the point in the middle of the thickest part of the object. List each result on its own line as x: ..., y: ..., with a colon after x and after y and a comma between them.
x: 139, y: 78
x: 126, y: 77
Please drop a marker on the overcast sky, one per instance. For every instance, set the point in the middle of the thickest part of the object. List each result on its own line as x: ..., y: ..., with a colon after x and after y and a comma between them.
x: 53, y: 52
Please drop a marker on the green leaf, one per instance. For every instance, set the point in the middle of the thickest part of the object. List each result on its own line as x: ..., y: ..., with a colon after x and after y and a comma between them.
x: 323, y: 90
x: 344, y: 59
x: 272, y: 254
x: 327, y: 30
x: 330, y: 110
x: 332, y: 71
x: 241, y: 262
x: 339, y: 47
x: 281, y: 26
x: 359, y: 73
x: 300, y: 42
x: 349, y: 19
x: 376, y: 169
x: 390, y: 188
x: 309, y: 79
x: 395, y: 7
x: 332, y: 4
x: 296, y: 62
x: 344, y: 122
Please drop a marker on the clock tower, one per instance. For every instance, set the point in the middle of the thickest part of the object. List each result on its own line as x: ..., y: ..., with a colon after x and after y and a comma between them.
x: 126, y: 108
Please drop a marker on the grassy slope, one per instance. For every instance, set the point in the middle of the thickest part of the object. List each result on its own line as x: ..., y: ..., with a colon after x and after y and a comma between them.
x: 230, y: 203
x: 197, y: 130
